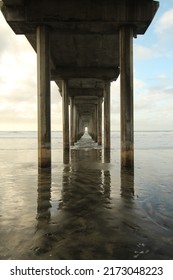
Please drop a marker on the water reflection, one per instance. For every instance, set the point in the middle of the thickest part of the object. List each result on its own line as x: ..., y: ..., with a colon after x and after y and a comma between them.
x: 84, y: 206
x: 89, y: 210
x: 107, y: 155
x: 127, y: 182
x: 44, y: 194
x: 66, y: 156
x: 42, y: 245
x: 85, y: 184
x: 87, y: 223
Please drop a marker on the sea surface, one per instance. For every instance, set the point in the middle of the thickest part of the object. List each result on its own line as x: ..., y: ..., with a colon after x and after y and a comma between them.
x: 90, y: 208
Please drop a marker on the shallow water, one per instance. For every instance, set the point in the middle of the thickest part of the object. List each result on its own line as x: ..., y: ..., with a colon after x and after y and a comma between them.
x: 89, y: 208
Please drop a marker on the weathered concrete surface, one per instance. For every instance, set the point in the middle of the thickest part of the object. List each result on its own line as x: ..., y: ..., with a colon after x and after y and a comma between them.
x: 43, y: 84
x: 98, y: 16
x: 126, y: 84
x: 107, y: 116
x: 65, y: 115
x: 99, y: 118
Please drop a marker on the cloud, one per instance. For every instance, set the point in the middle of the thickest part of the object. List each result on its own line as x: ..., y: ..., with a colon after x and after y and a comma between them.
x: 163, y: 29
x: 157, y: 42
x: 153, y: 107
x: 18, y: 84
x: 165, y: 23
x: 141, y: 52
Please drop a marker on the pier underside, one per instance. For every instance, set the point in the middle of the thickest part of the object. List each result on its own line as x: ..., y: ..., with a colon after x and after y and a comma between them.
x: 83, y: 46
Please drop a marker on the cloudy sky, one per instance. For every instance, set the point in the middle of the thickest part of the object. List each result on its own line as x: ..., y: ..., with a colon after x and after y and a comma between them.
x: 153, y: 79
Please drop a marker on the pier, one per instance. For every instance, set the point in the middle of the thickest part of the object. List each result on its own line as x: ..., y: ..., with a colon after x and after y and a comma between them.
x: 83, y: 46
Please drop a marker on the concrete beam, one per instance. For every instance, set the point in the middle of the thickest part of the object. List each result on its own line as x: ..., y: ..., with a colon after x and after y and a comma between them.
x: 86, y: 100
x: 86, y: 83
x: 93, y: 92
x: 84, y: 108
x: 85, y: 72
x: 13, y: 2
x: 82, y: 85
x: 64, y: 15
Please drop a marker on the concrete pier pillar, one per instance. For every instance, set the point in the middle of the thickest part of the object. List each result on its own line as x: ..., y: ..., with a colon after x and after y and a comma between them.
x: 72, y: 126
x: 126, y: 85
x: 65, y: 118
x: 99, y: 120
x: 90, y: 127
x: 43, y: 96
x: 80, y: 128
x: 76, y: 124
x: 75, y: 117
x: 107, y: 119
x: 94, y: 123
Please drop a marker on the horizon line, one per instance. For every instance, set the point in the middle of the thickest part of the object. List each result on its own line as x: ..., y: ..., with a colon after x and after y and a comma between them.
x: 148, y: 130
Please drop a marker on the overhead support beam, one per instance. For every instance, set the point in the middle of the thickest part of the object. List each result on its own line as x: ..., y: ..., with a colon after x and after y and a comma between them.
x: 89, y: 92
x: 13, y: 2
x: 85, y: 72
x: 85, y: 100
x: 43, y: 89
x: 126, y: 85
x: 98, y: 18
x: 65, y: 118
x: 86, y: 83
x: 107, y: 117
x: 83, y: 87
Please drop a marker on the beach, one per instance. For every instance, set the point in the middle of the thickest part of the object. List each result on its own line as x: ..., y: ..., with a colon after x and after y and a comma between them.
x: 89, y: 208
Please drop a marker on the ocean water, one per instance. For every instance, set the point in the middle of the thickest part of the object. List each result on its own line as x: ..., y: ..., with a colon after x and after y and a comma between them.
x: 89, y: 208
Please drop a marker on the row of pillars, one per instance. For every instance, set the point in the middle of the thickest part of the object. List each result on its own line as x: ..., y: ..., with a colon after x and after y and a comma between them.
x: 72, y: 132
x: 92, y: 118
x: 44, y: 104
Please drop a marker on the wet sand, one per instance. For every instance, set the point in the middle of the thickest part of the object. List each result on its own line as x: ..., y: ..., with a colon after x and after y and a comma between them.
x: 87, y: 209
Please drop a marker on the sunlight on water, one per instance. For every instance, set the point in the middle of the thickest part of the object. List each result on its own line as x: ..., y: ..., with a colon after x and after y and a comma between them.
x: 89, y: 208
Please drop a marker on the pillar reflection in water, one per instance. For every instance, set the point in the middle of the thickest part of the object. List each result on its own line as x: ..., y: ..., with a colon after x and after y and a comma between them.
x: 85, y: 185
x: 44, y: 194
x: 127, y: 182
x: 107, y: 155
x: 66, y: 156
x: 41, y: 243
x: 86, y: 215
